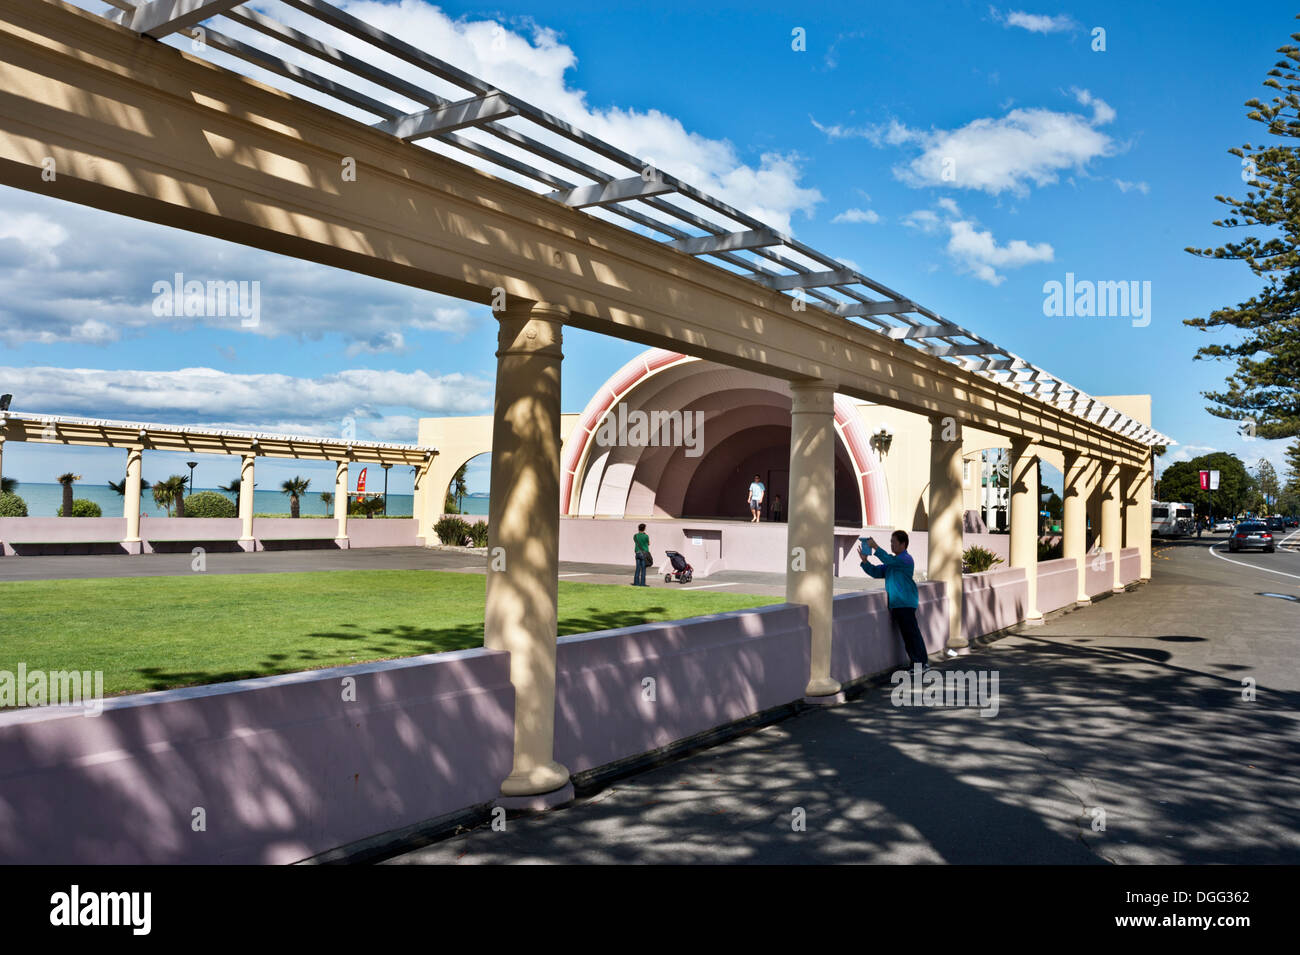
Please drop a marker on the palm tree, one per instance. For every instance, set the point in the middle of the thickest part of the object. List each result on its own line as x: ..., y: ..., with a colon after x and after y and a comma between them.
x: 171, y: 491
x: 120, y: 486
x: 328, y: 498
x: 67, y: 480
x: 235, y: 487
x: 8, y: 485
x: 459, y: 488
x: 295, y: 487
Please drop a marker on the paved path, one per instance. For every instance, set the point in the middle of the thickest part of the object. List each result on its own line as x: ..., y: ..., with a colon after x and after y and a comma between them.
x: 375, y: 558
x: 1132, y: 706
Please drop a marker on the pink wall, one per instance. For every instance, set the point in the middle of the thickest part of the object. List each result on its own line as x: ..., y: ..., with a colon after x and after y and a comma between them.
x: 993, y: 600
x: 1058, y: 584
x: 1099, y: 576
x: 107, y: 530
x: 865, y: 640
x: 381, y: 533
x: 283, y: 766
x: 1130, y: 564
x: 707, y: 671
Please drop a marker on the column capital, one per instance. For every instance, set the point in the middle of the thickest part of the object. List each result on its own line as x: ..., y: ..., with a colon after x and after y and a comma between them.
x: 529, y: 328
x: 812, y: 395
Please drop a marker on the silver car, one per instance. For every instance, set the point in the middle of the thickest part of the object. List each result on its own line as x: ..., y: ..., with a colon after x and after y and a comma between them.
x: 1251, y: 534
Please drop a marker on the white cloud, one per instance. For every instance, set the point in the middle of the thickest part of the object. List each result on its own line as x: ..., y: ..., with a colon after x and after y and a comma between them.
x: 858, y: 215
x: 384, y: 404
x: 534, y: 68
x: 980, y: 253
x: 1023, y: 148
x: 924, y: 219
x: 1125, y: 186
x: 1035, y: 22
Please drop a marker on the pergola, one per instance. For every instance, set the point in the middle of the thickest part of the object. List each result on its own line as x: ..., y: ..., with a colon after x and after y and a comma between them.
x: 136, y: 438
x: 322, y: 137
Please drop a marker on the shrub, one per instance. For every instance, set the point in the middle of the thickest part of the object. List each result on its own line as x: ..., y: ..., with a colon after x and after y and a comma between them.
x: 210, y: 504
x: 479, y: 532
x: 11, y: 505
x: 451, y: 530
x: 976, y: 560
x: 1050, y: 551
x: 84, y: 508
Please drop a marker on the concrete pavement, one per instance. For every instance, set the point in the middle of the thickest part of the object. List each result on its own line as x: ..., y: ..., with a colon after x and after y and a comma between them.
x: 376, y: 558
x: 1121, y: 736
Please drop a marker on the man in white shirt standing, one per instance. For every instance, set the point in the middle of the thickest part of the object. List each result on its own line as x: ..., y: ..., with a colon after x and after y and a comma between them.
x: 756, y: 491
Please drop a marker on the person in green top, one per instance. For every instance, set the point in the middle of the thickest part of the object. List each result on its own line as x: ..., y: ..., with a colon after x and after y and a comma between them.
x: 641, y: 541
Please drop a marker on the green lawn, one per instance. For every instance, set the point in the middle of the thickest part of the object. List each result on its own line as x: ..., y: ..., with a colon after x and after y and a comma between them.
x: 150, y: 633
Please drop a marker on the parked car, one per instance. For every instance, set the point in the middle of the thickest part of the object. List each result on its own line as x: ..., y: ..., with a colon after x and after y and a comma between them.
x: 1223, y: 524
x: 1292, y: 521
x: 1276, y: 524
x: 1251, y: 534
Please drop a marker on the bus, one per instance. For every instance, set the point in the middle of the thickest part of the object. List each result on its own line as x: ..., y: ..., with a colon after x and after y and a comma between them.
x: 1171, y: 519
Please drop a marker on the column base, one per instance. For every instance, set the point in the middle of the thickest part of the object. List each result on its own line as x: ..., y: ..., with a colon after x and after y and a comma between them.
x: 342, y: 543
x: 537, y: 802
x: 538, y: 780
x: 958, y: 643
x: 134, y: 546
x: 821, y: 686
x: 1118, y: 590
x: 829, y: 699
x: 1083, y: 600
x: 1035, y: 620
x: 247, y: 544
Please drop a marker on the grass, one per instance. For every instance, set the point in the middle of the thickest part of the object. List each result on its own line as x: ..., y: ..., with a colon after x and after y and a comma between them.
x: 152, y: 633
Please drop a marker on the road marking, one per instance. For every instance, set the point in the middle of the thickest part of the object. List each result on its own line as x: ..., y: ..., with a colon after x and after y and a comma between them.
x: 575, y: 575
x: 1267, y: 570
x: 707, y: 586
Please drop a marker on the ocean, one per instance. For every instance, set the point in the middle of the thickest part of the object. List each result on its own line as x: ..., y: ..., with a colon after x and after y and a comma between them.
x: 44, y: 500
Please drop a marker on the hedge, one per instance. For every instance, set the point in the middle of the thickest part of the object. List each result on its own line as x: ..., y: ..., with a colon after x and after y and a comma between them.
x: 11, y: 505
x: 210, y: 504
x: 83, y: 508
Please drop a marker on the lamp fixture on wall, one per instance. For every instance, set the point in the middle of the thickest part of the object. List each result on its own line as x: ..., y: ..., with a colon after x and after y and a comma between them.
x: 881, y: 440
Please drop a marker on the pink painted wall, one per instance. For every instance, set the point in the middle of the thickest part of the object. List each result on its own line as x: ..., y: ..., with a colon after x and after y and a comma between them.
x: 301, y: 528
x: 1099, y: 576
x: 865, y: 640
x: 1130, y: 564
x: 282, y: 765
x: 381, y: 533
x: 993, y: 600
x: 69, y: 529
x: 707, y: 671
x: 1058, y: 584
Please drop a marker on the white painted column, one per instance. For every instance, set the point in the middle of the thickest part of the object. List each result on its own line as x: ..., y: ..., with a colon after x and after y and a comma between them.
x: 246, y: 489
x: 341, y: 499
x: 810, y: 531
x: 1111, y: 526
x: 944, y: 519
x: 131, y: 499
x: 1074, y: 531
x: 1024, y: 521
x: 522, y: 609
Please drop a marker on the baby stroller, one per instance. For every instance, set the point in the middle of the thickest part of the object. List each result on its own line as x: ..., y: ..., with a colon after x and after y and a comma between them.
x: 681, y: 570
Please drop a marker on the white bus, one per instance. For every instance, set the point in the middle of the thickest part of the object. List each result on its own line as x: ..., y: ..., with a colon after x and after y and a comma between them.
x: 1171, y: 519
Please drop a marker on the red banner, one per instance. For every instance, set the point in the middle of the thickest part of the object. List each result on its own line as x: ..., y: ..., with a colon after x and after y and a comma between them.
x: 1205, y: 480
x: 361, y: 484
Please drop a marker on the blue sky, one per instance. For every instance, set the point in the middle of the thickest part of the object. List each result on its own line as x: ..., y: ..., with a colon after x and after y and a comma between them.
x: 1065, y: 160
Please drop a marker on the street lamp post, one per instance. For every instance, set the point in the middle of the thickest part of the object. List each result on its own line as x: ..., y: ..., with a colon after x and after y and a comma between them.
x: 192, y: 465
x: 386, y: 467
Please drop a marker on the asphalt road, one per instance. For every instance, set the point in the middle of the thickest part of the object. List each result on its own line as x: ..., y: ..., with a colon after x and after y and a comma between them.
x: 1122, y: 735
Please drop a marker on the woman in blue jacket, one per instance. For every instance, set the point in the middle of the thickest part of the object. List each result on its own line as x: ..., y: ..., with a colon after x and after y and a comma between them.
x: 897, y: 569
